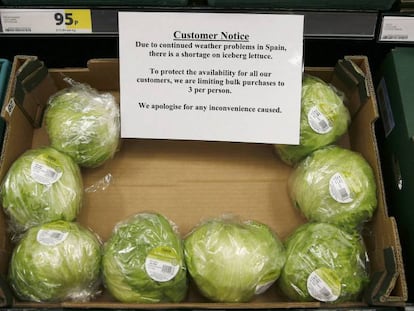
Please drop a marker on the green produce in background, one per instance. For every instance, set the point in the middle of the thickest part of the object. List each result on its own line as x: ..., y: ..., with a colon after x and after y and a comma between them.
x: 83, y: 124
x: 143, y: 261
x: 42, y: 185
x: 232, y: 261
x: 334, y: 185
x: 324, y: 118
x: 55, y: 262
x: 324, y: 263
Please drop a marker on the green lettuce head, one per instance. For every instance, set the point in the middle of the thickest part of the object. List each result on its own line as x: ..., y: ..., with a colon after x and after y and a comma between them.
x: 324, y: 263
x: 324, y: 118
x: 334, y: 185
x: 143, y: 261
x: 42, y: 185
x: 83, y: 124
x: 56, y: 262
x: 232, y: 261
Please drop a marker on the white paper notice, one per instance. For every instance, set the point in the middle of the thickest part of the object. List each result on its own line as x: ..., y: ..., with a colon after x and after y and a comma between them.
x: 211, y: 76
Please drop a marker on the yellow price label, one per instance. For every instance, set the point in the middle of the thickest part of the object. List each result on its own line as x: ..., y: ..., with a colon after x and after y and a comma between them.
x: 76, y: 20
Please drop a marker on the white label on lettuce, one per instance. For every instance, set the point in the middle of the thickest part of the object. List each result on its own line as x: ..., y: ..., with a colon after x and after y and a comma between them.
x: 44, y: 174
x: 162, y: 264
x: 323, y: 285
x: 318, y: 122
x: 160, y: 270
x: 339, y: 190
x: 51, y: 237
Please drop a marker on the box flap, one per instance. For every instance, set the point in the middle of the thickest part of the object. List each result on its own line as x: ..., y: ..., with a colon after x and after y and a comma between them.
x: 29, y: 75
x: 383, y: 282
x: 28, y: 91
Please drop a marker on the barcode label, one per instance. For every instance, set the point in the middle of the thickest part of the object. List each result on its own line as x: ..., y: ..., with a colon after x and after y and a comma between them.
x: 339, y: 190
x: 167, y: 269
x: 51, y: 237
x: 17, y: 29
x: 160, y: 270
x: 325, y: 293
x: 44, y: 174
x: 318, y: 121
x: 320, y: 290
x: 395, y: 37
x: 10, y: 106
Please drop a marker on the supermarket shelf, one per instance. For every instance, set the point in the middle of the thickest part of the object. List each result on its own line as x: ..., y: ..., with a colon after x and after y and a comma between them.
x: 318, y: 24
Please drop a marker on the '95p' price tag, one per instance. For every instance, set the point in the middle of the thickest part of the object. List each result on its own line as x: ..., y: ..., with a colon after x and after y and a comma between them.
x: 46, y: 21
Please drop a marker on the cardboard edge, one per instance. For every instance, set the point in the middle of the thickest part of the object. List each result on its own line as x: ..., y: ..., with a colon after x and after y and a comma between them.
x: 99, y: 81
x: 15, y: 91
x: 393, y: 262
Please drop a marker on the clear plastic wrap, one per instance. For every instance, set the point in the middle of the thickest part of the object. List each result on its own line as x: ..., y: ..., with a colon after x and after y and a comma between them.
x: 55, y: 262
x: 84, y: 124
x: 334, y: 185
x: 143, y: 261
x: 42, y: 185
x: 100, y: 185
x: 324, y: 118
x: 324, y: 263
x: 232, y: 261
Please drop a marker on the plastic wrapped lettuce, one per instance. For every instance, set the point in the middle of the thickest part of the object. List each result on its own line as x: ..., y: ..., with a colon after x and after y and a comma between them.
x: 55, y: 262
x: 42, y: 185
x: 324, y: 263
x: 232, y: 261
x: 334, y: 185
x: 324, y: 118
x: 143, y: 261
x: 83, y: 124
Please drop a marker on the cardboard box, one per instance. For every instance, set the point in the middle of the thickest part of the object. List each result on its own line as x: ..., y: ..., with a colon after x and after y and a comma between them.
x: 190, y: 181
x: 395, y: 98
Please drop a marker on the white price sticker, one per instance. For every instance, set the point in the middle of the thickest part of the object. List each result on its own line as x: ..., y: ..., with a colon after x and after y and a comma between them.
x: 339, y: 190
x: 44, y: 174
x: 51, y: 237
x: 397, y: 28
x: 160, y: 270
x: 323, y: 285
x: 318, y: 121
x: 37, y: 21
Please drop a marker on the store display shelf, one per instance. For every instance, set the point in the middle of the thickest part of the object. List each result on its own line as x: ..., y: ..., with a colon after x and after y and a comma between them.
x: 104, y: 21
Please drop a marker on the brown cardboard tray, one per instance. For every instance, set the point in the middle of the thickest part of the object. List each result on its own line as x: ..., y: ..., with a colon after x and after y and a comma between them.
x: 190, y: 181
